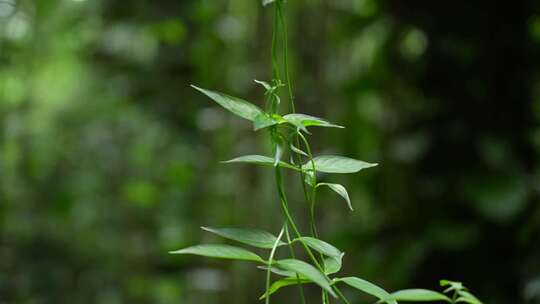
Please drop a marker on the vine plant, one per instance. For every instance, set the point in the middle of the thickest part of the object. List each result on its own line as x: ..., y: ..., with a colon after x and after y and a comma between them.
x: 289, y: 136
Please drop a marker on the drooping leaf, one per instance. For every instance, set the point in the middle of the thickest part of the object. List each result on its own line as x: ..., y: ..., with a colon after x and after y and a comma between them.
x: 235, y: 105
x: 339, y: 189
x: 320, y: 246
x: 265, y: 84
x: 337, y: 164
x: 418, y: 295
x: 283, y: 283
x: 220, y: 251
x: 303, y: 120
x: 368, y: 288
x: 298, y: 151
x: 263, y: 120
x: 253, y: 237
x: 332, y: 265
x: 308, y: 271
x: 278, y: 149
x: 260, y: 160
x: 467, y: 297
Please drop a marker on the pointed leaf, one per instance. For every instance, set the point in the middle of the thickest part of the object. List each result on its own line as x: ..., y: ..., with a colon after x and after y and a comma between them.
x: 337, y: 164
x: 339, y: 189
x: 253, y: 237
x: 467, y: 297
x: 260, y: 160
x: 418, y: 295
x: 320, y: 246
x: 220, y: 251
x: 265, y: 84
x: 368, y: 288
x: 296, y: 150
x: 235, y: 105
x: 308, y: 271
x: 332, y: 265
x: 278, y: 271
x: 283, y: 283
x: 262, y: 121
x: 308, y: 121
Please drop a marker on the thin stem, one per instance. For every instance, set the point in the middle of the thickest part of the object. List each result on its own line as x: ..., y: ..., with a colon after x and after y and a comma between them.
x: 299, y: 283
x: 286, y: 55
x: 270, y: 260
x: 285, y: 207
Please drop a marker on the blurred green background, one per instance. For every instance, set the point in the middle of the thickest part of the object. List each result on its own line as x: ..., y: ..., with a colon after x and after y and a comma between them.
x: 108, y: 159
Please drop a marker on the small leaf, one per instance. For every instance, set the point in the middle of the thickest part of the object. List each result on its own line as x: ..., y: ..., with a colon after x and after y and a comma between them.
x: 235, y: 105
x: 320, y: 246
x: 418, y: 295
x: 339, y: 189
x: 262, y: 121
x: 220, y: 251
x: 296, y: 150
x: 278, y: 149
x: 332, y: 265
x: 368, y: 288
x: 283, y: 283
x: 265, y: 84
x: 308, y: 121
x: 253, y: 237
x: 337, y: 164
x: 260, y: 160
x: 467, y: 297
x: 452, y: 285
x: 308, y: 271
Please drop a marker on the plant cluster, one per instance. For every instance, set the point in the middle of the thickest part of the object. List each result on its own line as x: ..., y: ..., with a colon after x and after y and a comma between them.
x: 292, y: 151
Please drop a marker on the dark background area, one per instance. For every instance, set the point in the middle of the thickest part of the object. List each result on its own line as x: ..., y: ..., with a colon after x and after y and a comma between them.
x: 108, y: 159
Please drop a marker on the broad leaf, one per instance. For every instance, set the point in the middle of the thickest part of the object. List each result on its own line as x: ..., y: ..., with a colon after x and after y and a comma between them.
x: 262, y: 121
x: 260, y: 160
x: 368, y: 288
x: 306, y: 270
x: 236, y: 105
x: 253, y: 237
x: 339, y: 189
x: 278, y: 271
x: 283, y: 283
x: 337, y: 164
x: 303, y: 120
x: 220, y: 251
x: 418, y: 295
x: 321, y: 246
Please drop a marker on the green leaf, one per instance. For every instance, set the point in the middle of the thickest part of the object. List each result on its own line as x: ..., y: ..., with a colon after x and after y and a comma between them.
x: 235, y: 105
x: 467, y: 297
x: 260, y: 160
x: 220, y: 251
x: 306, y: 270
x: 283, y: 283
x: 298, y: 151
x: 339, y: 189
x: 279, y: 271
x: 337, y: 164
x: 332, y: 265
x: 302, y: 120
x: 451, y: 285
x: 253, y: 237
x: 320, y: 246
x: 262, y: 121
x: 265, y: 84
x: 368, y: 288
x: 418, y: 295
